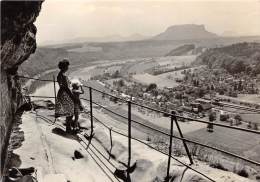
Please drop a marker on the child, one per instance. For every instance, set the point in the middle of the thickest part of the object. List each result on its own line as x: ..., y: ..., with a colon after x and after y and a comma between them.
x: 77, y: 103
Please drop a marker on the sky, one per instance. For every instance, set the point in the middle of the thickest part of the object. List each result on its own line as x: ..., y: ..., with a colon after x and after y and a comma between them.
x: 68, y: 19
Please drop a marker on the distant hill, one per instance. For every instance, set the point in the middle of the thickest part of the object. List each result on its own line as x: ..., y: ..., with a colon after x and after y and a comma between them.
x: 185, y: 32
x: 47, y: 57
x: 109, y: 38
x: 235, y: 58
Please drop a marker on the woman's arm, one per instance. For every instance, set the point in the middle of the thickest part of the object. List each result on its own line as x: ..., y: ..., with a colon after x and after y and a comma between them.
x: 63, y: 83
x: 69, y: 92
x: 79, y: 91
x: 82, y: 91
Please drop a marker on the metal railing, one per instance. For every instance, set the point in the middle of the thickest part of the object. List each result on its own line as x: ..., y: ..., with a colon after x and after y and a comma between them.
x: 173, y: 118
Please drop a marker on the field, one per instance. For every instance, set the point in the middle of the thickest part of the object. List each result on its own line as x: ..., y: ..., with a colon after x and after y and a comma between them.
x: 175, y: 61
x: 251, y: 117
x: 252, y: 98
x: 163, y: 80
x: 140, y: 65
x: 247, y: 116
x: 241, y: 143
x: 164, y: 122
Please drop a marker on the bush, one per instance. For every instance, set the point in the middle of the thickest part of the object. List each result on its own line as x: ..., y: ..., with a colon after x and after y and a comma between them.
x: 249, y: 125
x: 217, y: 165
x: 121, y: 83
x: 152, y: 86
x: 223, y: 117
x: 148, y: 139
x: 243, y: 173
x: 221, y: 92
x: 114, y: 99
x: 255, y: 126
x: 238, y: 117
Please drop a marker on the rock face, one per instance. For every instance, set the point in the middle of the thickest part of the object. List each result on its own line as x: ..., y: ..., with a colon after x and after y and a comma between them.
x: 185, y: 32
x: 17, y: 44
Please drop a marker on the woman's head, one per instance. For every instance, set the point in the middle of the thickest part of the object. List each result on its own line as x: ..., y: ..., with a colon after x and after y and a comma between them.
x: 64, y: 65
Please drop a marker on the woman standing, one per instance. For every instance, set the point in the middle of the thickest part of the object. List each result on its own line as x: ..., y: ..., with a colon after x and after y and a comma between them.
x: 65, y: 99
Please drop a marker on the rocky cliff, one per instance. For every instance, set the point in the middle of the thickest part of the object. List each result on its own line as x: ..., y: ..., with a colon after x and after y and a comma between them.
x: 17, y: 44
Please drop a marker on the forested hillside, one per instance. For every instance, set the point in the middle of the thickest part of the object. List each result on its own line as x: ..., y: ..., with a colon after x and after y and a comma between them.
x: 236, y: 58
x: 47, y: 58
x: 182, y: 50
x: 229, y: 57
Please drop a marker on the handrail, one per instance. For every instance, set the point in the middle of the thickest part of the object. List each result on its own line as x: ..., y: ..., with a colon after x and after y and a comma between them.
x: 159, y: 131
x: 163, y: 112
x: 153, y: 148
x: 30, y: 78
x: 179, y: 138
x: 171, y: 115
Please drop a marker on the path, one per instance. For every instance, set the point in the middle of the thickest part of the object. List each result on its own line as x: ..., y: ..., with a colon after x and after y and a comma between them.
x: 52, y: 154
x: 51, y: 151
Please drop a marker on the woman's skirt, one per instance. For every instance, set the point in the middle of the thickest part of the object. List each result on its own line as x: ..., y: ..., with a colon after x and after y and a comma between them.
x: 64, y: 104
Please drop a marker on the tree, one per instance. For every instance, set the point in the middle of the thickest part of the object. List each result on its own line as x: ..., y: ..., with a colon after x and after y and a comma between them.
x: 116, y: 74
x: 150, y: 87
x: 255, y: 126
x: 224, y: 117
x: 211, y: 119
x: 238, y: 67
x: 238, y: 117
x: 121, y: 83
x: 248, y: 70
x: 201, y: 92
x: 155, y: 92
x: 212, y: 116
x: 257, y: 68
x: 221, y: 92
x: 114, y: 99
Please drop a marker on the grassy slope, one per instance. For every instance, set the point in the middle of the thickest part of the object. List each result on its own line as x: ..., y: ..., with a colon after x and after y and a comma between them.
x: 230, y: 140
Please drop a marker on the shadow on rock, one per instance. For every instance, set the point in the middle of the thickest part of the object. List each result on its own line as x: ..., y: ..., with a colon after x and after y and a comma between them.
x: 61, y: 132
x: 14, y: 161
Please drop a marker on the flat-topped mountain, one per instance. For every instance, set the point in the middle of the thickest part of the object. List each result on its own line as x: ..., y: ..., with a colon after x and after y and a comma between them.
x: 185, y: 32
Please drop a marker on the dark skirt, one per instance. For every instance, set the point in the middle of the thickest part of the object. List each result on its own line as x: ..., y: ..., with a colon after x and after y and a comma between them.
x: 64, y: 104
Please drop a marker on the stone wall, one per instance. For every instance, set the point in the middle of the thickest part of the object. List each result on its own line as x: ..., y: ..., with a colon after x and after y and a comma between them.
x: 17, y: 44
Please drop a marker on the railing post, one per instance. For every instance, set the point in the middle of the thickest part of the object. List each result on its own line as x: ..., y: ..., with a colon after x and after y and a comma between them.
x: 54, y: 84
x: 184, y: 142
x: 170, y: 151
x: 54, y: 88
x: 91, y: 109
x: 129, y: 141
x: 111, y: 142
